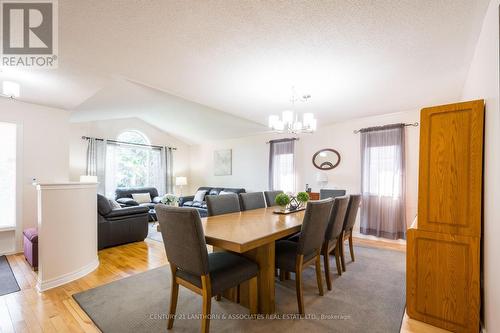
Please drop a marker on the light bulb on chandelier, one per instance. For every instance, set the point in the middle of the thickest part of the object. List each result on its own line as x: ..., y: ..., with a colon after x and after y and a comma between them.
x: 290, y: 123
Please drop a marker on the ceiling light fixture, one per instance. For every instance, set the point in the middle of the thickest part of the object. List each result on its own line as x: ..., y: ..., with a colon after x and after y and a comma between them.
x: 289, y: 122
x: 11, y: 89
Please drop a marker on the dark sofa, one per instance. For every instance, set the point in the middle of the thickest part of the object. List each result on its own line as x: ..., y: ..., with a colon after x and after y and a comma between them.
x: 123, y: 195
x: 120, y: 225
x: 187, y: 201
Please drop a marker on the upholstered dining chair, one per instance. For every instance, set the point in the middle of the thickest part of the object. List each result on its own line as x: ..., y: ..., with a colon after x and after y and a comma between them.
x: 327, y: 193
x: 222, y: 204
x: 296, y: 256
x: 333, y: 237
x: 194, y: 268
x: 270, y: 197
x: 252, y: 200
x: 350, y: 219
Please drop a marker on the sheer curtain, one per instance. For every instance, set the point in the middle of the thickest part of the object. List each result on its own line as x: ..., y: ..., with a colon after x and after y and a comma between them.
x: 167, y: 165
x: 134, y: 166
x: 383, y: 181
x: 282, y: 165
x: 96, y: 162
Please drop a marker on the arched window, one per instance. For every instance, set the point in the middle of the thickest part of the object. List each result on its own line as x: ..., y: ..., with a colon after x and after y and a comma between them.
x: 132, y: 165
x: 133, y: 136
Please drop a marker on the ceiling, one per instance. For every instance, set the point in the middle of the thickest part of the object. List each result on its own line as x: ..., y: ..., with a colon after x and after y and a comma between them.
x: 233, y: 63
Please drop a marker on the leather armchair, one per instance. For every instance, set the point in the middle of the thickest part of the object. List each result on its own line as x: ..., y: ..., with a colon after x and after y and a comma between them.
x: 120, y: 225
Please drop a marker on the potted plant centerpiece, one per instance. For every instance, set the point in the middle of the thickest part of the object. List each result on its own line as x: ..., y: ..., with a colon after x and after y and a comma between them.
x: 302, y: 198
x: 282, y: 200
x: 169, y: 199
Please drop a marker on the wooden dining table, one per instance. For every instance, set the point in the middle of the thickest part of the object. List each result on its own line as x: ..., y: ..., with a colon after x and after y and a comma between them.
x: 252, y: 233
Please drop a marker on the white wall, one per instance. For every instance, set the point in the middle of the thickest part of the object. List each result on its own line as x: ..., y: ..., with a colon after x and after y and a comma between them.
x: 483, y: 82
x: 42, y: 154
x: 110, y: 129
x: 251, y: 158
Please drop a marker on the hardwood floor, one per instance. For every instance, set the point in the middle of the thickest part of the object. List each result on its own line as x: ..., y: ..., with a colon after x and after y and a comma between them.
x: 56, y: 311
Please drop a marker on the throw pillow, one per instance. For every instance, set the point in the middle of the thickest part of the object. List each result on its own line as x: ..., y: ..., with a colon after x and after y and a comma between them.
x: 141, y: 197
x: 225, y: 192
x: 200, y: 196
x: 114, y: 204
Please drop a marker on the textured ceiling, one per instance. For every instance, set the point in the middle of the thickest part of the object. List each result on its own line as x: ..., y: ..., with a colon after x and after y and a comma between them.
x: 356, y: 58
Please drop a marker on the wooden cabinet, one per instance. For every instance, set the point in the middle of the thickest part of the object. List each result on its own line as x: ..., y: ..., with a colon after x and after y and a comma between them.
x: 443, y: 246
x: 313, y: 195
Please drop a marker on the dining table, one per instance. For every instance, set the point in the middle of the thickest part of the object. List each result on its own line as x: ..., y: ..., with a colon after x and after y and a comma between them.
x: 252, y: 234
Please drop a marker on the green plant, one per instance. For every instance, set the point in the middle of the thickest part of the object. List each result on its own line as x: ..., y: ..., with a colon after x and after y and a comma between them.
x: 282, y: 199
x: 303, y: 197
x: 169, y: 199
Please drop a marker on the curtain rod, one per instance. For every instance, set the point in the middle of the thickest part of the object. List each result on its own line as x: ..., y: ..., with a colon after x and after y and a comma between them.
x: 405, y: 125
x: 285, y: 139
x: 127, y: 143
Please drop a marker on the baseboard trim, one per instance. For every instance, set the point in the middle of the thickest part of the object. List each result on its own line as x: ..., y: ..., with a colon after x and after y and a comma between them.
x: 69, y: 277
x: 12, y: 252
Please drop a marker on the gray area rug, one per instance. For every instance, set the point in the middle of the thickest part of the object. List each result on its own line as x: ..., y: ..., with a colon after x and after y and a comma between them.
x: 369, y: 297
x: 8, y: 282
x: 153, y: 232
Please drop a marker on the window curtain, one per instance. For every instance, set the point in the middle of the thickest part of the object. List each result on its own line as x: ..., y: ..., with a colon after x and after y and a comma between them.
x: 96, y: 162
x: 167, y: 166
x: 282, y: 165
x: 383, y: 181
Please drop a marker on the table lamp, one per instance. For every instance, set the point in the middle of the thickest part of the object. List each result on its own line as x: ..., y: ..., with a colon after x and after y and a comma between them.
x: 180, y: 181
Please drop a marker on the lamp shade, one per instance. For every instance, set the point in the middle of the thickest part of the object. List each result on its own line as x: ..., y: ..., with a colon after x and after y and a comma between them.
x: 12, y: 89
x: 321, y: 177
x: 180, y: 181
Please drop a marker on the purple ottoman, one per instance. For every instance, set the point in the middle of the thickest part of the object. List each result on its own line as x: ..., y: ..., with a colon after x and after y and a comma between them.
x: 31, y: 246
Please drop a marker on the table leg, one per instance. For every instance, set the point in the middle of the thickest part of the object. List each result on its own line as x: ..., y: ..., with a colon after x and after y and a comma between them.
x: 264, y: 257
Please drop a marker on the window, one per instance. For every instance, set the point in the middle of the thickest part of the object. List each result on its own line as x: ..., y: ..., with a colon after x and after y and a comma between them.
x: 383, y: 178
x: 282, y: 165
x: 132, y: 165
x: 8, y: 146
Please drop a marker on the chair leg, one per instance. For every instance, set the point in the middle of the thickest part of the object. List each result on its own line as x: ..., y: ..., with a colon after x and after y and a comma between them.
x: 253, y: 301
x: 174, y: 293
x: 318, y: 274
x: 326, y: 259
x: 298, y: 284
x: 282, y: 275
x: 342, y: 254
x: 238, y: 294
x: 207, y: 303
x: 337, y: 258
x: 351, y: 247
x: 287, y: 275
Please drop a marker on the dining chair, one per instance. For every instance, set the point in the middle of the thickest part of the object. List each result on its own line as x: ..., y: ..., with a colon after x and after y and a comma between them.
x: 327, y: 193
x: 333, y: 235
x: 270, y: 197
x: 194, y: 268
x: 253, y: 200
x: 222, y: 204
x: 296, y: 256
x: 350, y: 219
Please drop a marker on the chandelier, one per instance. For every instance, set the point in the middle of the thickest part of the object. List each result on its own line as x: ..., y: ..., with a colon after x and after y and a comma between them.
x: 289, y: 122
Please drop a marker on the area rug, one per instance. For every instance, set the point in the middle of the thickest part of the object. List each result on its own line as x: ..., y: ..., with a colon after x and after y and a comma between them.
x: 153, y: 233
x: 8, y: 282
x: 368, y: 297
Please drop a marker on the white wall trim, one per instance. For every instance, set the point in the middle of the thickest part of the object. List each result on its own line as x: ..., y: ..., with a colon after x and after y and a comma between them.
x: 66, y: 186
x: 10, y: 253
x: 69, y: 277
